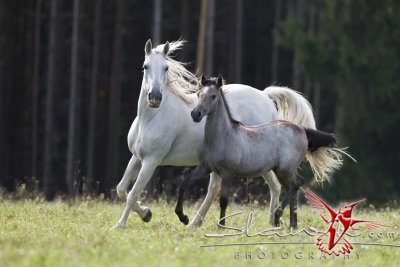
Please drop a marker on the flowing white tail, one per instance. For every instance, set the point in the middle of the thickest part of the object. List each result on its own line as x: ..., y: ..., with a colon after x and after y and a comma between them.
x: 293, y: 107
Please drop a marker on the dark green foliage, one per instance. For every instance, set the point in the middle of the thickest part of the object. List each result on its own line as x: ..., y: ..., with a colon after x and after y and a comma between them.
x: 355, y: 53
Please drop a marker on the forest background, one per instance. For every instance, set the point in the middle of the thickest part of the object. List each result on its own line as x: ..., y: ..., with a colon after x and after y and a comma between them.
x: 70, y: 77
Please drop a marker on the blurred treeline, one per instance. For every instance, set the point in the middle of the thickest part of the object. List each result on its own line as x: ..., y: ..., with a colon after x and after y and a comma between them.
x: 70, y: 76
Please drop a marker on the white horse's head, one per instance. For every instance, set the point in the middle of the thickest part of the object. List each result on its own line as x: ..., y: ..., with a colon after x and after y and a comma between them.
x: 155, y: 68
x: 162, y: 72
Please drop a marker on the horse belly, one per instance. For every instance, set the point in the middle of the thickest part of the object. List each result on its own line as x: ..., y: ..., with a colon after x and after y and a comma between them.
x: 184, y: 151
x: 254, y: 170
x: 181, y: 157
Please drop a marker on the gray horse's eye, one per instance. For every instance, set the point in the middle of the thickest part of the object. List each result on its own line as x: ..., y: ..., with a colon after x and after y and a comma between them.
x: 213, y: 96
x: 166, y: 68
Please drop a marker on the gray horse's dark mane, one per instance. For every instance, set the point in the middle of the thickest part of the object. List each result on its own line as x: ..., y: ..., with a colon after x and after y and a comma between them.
x: 211, y: 81
x: 228, y: 109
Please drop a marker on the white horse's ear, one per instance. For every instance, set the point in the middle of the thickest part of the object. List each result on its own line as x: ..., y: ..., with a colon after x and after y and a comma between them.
x: 220, y: 81
x: 203, y: 80
x: 148, y: 47
x: 166, y: 48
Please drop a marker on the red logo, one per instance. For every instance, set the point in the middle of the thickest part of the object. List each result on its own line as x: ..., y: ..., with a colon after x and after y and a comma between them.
x: 332, y: 241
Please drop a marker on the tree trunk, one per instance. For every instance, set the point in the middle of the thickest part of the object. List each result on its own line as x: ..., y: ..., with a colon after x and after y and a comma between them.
x: 157, y: 20
x: 186, y: 27
x: 298, y: 14
x: 114, y: 104
x: 311, y: 34
x: 201, y: 37
x: 341, y: 101
x: 238, y: 41
x: 210, y: 38
x: 93, y: 98
x: 275, y: 47
x: 69, y: 178
x: 35, y: 89
x: 230, y: 37
x: 50, y: 84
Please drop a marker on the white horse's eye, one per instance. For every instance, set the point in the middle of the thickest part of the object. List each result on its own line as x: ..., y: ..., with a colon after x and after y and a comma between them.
x: 166, y: 68
x: 145, y: 67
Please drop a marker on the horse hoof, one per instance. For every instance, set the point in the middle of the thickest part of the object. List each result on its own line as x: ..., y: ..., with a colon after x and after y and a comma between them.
x: 117, y: 226
x: 278, y: 213
x: 147, y: 217
x: 196, y: 222
x: 221, y: 225
x: 277, y: 222
x: 185, y: 220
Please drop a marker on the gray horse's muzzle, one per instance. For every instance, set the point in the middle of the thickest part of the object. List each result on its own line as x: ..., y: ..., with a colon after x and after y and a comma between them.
x: 196, y: 115
x: 154, y: 98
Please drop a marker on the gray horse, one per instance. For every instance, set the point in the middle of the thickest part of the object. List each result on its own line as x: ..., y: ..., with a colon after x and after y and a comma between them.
x: 232, y: 149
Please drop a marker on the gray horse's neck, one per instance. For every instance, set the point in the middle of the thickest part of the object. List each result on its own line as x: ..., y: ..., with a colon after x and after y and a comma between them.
x: 219, y: 124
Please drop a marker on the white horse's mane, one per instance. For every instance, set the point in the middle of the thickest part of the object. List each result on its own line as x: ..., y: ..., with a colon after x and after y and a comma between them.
x: 180, y: 81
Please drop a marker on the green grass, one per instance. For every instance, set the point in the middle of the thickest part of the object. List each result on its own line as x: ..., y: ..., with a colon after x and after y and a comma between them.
x: 35, y: 233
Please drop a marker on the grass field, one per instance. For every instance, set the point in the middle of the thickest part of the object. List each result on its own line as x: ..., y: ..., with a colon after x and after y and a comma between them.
x: 35, y: 233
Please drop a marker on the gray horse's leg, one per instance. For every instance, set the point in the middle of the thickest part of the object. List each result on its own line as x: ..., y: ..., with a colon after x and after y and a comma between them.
x: 213, y: 189
x: 285, y: 199
x: 131, y: 173
x: 196, y: 174
x: 293, y: 210
x: 275, y: 190
x: 148, y: 167
x: 224, y: 199
x: 293, y: 202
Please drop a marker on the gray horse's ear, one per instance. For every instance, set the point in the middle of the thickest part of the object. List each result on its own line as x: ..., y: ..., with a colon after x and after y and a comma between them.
x: 220, y: 81
x: 166, y: 48
x: 203, y: 80
x: 148, y: 47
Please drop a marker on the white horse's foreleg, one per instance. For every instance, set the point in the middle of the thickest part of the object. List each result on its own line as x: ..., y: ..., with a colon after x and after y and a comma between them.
x: 145, y: 173
x: 213, y: 188
x: 275, y: 190
x: 131, y: 173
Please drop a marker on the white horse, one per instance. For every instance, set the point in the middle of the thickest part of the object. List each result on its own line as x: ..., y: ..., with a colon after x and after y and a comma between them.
x: 163, y: 132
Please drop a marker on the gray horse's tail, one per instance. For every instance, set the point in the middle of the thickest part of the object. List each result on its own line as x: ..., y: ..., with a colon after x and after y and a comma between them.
x: 293, y: 107
x: 317, y: 139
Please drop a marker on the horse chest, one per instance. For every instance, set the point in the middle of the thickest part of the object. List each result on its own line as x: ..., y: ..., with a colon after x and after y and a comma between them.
x: 216, y: 158
x: 151, y: 140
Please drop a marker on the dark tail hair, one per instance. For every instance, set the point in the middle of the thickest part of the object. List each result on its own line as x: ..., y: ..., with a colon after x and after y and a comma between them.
x: 317, y: 139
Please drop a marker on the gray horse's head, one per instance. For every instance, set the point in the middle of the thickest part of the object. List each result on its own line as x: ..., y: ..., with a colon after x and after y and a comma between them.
x: 155, y: 68
x: 208, y: 97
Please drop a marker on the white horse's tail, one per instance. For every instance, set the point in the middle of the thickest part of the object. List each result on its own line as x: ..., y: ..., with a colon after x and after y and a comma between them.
x: 293, y: 107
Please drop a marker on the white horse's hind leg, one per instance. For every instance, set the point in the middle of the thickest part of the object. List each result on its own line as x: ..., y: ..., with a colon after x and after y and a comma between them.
x: 275, y: 190
x: 147, y: 170
x: 213, y: 188
x: 131, y: 173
